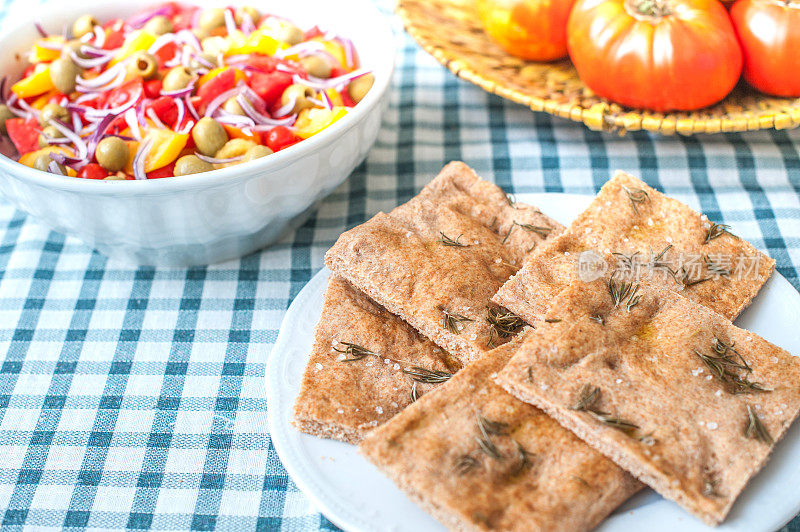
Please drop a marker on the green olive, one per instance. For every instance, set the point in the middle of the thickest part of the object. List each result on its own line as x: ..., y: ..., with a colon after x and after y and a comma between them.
x: 234, y: 148
x: 84, y: 25
x: 143, y: 65
x: 196, y: 64
x: 112, y: 153
x: 191, y: 164
x: 5, y: 114
x: 211, y: 18
x: 74, y: 46
x: 254, y: 14
x: 289, y: 34
x: 51, y: 111
x: 359, y: 87
x: 257, y: 152
x: 42, y: 162
x: 177, y: 78
x: 64, y: 74
x: 158, y: 25
x: 316, y: 66
x: 201, y: 33
x: 48, y: 133
x: 232, y: 106
x: 209, y: 136
x: 300, y: 94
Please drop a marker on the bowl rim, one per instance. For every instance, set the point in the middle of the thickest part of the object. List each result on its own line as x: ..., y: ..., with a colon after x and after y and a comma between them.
x: 222, y: 176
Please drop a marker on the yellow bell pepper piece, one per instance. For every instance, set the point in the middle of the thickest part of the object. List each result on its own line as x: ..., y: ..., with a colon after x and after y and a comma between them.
x: 238, y: 76
x: 258, y: 42
x: 333, y: 48
x: 41, y: 53
x: 43, y: 100
x: 236, y: 133
x: 29, y: 158
x: 166, y: 146
x: 37, y: 83
x: 135, y: 42
x: 336, y: 98
x: 312, y: 121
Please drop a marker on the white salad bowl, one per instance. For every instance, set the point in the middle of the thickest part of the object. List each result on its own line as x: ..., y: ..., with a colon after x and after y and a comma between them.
x: 218, y: 215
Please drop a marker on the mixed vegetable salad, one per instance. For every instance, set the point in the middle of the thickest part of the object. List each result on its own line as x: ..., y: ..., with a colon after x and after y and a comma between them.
x: 176, y: 90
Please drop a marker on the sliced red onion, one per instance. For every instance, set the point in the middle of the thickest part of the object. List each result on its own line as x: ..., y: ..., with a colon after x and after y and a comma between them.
x: 189, y: 38
x: 77, y: 141
x: 91, y: 51
x: 53, y: 168
x: 60, y: 158
x: 88, y: 63
x: 138, y: 21
x: 98, y: 135
x: 248, y: 24
x: 3, y: 89
x: 139, y: 159
x: 316, y: 102
x: 133, y: 123
x: 269, y: 124
x: 77, y: 124
x: 181, y: 110
x: 215, y: 104
x: 105, y: 77
x: 186, y: 128
x: 203, y: 61
x: 190, y: 107
x: 40, y: 29
x: 330, y: 83
x: 287, y: 107
x: 249, y: 110
x: 83, y: 98
x: 140, y: 112
x: 230, y: 24
x: 54, y: 140
x: 300, y: 48
x: 180, y: 93
x: 116, y: 111
x: 154, y: 117
x: 214, y: 160
x: 162, y: 41
x: 350, y: 54
x: 49, y: 45
x: 25, y: 106
x: 235, y: 120
x: 99, y: 36
x: 327, y: 100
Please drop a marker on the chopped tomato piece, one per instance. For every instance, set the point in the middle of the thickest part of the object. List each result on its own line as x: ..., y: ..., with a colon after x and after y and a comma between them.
x: 125, y: 93
x: 115, y: 35
x: 166, y: 52
x: 166, y: 110
x: 93, y: 171
x: 24, y: 134
x: 167, y: 171
x: 280, y: 137
x: 262, y: 63
x: 224, y: 81
x: 152, y: 88
x: 313, y: 32
x: 269, y: 86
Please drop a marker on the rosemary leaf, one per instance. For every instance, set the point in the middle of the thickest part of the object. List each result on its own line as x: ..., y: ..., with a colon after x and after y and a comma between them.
x: 552, y: 320
x: 636, y: 195
x: 414, y: 393
x: 754, y: 428
x: 716, y: 231
x: 427, y: 376
x: 715, y: 268
x: 465, y: 463
x: 507, y: 234
x: 587, y: 396
x: 453, y: 322
x: 598, y: 318
x: 540, y: 230
x: 447, y: 241
x: 355, y: 352
x: 614, y: 422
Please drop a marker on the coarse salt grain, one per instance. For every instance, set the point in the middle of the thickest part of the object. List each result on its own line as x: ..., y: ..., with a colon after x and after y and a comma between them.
x: 387, y: 361
x: 697, y: 371
x: 340, y: 411
x: 318, y: 366
x: 668, y: 239
x: 340, y: 357
x: 712, y: 425
x: 650, y: 222
x: 370, y: 363
x: 619, y: 381
x: 709, y: 377
x: 718, y: 393
x: 701, y: 423
x: 379, y: 409
x: 396, y: 366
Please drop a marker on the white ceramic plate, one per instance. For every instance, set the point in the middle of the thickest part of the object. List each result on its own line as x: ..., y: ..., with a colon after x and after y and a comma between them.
x: 355, y: 496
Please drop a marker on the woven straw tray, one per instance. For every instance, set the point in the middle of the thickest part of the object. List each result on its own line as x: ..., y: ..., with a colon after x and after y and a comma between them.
x: 451, y: 31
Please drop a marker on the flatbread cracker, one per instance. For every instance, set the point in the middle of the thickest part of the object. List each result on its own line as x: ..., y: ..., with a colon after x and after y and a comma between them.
x: 436, y: 260
x: 670, y: 390
x: 344, y: 399
x: 476, y: 458
x: 701, y: 260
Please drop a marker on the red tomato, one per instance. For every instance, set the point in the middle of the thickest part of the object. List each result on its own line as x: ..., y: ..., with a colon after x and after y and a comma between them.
x: 183, y: 16
x: 115, y: 34
x: 269, y: 86
x: 152, y: 88
x: 166, y: 171
x: 675, y: 56
x: 262, y: 63
x: 93, y: 171
x: 166, y: 52
x: 24, y: 134
x: 224, y: 81
x: 531, y: 29
x: 769, y: 31
x: 125, y: 93
x: 165, y: 109
x: 337, y: 71
x: 280, y: 137
x: 313, y: 32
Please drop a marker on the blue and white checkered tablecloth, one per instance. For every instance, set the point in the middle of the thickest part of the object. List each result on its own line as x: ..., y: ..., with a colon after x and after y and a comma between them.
x: 134, y: 397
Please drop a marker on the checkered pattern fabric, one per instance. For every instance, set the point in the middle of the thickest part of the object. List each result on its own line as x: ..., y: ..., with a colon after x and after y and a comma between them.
x: 134, y: 397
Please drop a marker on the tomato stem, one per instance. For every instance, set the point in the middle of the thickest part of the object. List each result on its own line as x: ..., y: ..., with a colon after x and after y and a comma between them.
x: 652, y: 8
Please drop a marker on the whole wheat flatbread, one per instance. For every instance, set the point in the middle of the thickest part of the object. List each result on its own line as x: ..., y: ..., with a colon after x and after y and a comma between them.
x: 629, y: 217
x: 523, y: 472
x: 342, y: 398
x: 660, y: 385
x: 437, y: 260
